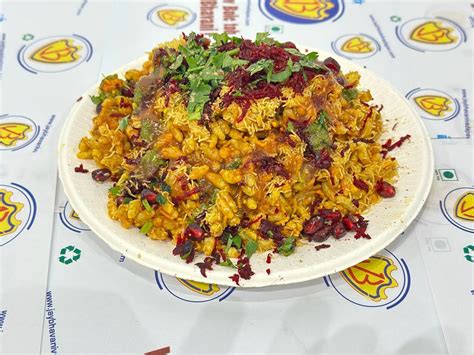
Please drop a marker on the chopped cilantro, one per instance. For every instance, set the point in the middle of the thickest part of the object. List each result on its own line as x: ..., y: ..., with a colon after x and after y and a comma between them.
x: 146, y: 204
x: 160, y: 199
x: 123, y: 123
x: 283, y: 75
x: 150, y: 162
x: 250, y: 247
x: 228, y: 263
x: 270, y: 234
x: 235, y: 164
x: 349, y: 94
x: 262, y: 64
x: 317, y: 132
x: 235, y: 240
x: 165, y: 187
x: 115, y: 190
x: 137, y: 97
x: 288, y: 246
x: 290, y: 127
x: 264, y: 37
x: 99, y: 98
x: 146, y: 227
x: 127, y: 200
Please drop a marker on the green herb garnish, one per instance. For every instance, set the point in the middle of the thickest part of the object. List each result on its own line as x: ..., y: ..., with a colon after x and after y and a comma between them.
x: 228, y: 263
x: 146, y: 204
x: 165, y: 187
x: 235, y: 164
x: 146, y: 227
x: 127, y: 200
x: 288, y: 246
x: 349, y: 94
x: 290, y: 127
x: 250, y: 247
x: 115, y: 190
x: 99, y: 98
x: 123, y: 123
x: 160, y: 199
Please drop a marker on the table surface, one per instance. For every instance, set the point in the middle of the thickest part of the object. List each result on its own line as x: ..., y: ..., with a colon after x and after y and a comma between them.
x: 64, y: 290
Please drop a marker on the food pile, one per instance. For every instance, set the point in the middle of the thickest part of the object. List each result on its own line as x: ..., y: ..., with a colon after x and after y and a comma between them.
x: 230, y: 146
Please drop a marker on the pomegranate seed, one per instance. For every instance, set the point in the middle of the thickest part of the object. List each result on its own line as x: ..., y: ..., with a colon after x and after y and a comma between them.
x: 348, y: 223
x: 385, y: 189
x: 194, y: 232
x: 313, y: 225
x: 101, y: 175
x: 149, y: 195
x: 332, y: 65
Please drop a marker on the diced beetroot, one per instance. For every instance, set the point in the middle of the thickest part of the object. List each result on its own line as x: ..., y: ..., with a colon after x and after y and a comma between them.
x: 322, y: 234
x: 338, y: 230
x: 194, y: 232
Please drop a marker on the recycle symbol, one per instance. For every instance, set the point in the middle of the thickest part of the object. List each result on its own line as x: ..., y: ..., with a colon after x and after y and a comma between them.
x: 69, y: 254
x: 467, y: 250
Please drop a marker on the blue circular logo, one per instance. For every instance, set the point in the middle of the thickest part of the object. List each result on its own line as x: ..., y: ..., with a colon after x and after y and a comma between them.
x: 356, y: 46
x: 17, y: 132
x: 434, y: 104
x: 382, y: 280
x: 192, y: 291
x: 432, y: 34
x: 302, y: 12
x: 171, y: 16
x: 71, y: 220
x: 17, y: 211
x: 55, y: 54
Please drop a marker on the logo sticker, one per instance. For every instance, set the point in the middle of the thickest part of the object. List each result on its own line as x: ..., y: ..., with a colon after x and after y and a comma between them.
x: 71, y: 220
x: 55, y: 54
x: 17, y: 211
x: 432, y: 104
x: 431, y: 34
x: 192, y: 291
x: 380, y: 281
x: 171, y: 16
x: 69, y: 254
x: 458, y: 208
x: 302, y: 11
x: 17, y: 132
x: 356, y: 46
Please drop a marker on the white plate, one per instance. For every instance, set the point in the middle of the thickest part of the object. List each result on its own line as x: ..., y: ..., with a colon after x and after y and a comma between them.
x: 388, y: 219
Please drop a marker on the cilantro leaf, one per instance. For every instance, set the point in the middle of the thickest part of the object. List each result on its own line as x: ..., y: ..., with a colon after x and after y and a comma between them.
x: 99, y: 98
x: 235, y: 164
x: 160, y: 199
x: 283, y: 75
x: 150, y: 162
x: 349, y: 94
x: 228, y: 263
x: 165, y: 187
x: 290, y: 127
x: 262, y: 64
x: 264, y: 37
x: 115, y: 190
x: 288, y: 246
x: 250, y: 247
x: 220, y: 38
x: 123, y: 123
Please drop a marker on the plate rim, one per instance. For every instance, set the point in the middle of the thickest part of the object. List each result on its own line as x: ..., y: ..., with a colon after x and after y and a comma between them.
x: 296, y: 275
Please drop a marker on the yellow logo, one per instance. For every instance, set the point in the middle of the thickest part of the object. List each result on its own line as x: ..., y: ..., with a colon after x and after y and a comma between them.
x: 372, y: 277
x: 434, y: 104
x: 74, y: 215
x: 11, y: 133
x: 305, y: 9
x: 357, y: 45
x: 8, y: 212
x: 432, y: 32
x: 57, y: 52
x: 173, y: 17
x: 464, y: 208
x: 199, y: 287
